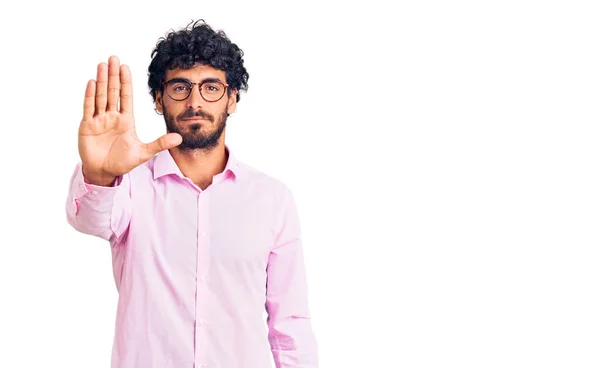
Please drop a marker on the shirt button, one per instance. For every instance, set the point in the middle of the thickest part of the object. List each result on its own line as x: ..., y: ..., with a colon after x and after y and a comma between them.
x: 94, y: 192
x: 202, y: 278
x: 203, y: 235
x: 200, y: 322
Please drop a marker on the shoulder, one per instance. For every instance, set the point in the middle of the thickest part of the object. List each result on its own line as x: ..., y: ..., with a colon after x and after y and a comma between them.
x: 264, y: 182
x: 267, y: 191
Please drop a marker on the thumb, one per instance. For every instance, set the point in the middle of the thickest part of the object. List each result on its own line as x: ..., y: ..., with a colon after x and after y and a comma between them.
x: 165, y: 142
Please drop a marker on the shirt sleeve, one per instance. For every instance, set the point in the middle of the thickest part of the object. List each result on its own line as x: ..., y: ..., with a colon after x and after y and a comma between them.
x: 101, y: 211
x: 292, y: 340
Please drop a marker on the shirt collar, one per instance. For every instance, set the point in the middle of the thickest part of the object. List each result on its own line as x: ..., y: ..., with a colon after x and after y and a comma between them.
x: 164, y: 164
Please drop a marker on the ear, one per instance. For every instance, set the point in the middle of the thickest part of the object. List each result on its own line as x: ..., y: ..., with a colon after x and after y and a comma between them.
x: 232, y: 104
x: 158, y: 102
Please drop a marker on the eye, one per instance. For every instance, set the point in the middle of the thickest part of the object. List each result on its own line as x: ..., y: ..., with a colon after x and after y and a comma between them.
x: 180, y: 88
x: 212, y: 87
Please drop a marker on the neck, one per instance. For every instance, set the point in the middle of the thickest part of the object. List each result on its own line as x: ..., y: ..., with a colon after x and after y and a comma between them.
x: 201, y: 165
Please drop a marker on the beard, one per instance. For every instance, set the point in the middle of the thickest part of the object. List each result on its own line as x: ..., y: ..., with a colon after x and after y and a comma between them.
x: 193, y: 136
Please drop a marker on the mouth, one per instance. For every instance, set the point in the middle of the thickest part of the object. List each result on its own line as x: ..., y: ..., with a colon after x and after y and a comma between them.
x: 194, y: 119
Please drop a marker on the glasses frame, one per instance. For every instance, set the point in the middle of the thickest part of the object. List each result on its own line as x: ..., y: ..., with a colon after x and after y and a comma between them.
x: 192, y: 84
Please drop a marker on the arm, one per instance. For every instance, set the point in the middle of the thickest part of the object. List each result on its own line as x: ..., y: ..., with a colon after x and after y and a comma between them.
x: 102, y: 211
x: 293, y: 343
x: 109, y: 149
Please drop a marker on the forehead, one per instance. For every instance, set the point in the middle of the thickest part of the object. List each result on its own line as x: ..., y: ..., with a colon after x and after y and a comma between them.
x: 197, y: 73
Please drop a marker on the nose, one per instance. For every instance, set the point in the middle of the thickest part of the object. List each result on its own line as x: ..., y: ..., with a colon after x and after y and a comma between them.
x: 195, y: 99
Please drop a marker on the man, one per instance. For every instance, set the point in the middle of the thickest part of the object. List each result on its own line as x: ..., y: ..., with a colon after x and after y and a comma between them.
x: 202, y: 244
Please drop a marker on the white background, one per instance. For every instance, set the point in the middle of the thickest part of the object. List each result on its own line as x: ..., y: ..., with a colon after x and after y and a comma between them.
x: 444, y: 157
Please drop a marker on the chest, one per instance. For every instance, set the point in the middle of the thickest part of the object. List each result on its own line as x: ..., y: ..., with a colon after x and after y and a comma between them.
x: 185, y: 228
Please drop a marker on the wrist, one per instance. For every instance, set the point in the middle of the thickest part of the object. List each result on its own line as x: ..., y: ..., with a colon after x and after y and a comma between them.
x: 99, y: 179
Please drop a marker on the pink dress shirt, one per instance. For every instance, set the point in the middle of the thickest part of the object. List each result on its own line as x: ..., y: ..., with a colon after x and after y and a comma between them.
x: 198, y: 270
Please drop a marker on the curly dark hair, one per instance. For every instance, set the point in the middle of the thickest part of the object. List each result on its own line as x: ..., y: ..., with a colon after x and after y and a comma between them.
x: 197, y: 43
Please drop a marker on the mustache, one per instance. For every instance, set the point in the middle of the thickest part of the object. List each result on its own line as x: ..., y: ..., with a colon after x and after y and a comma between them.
x: 190, y: 113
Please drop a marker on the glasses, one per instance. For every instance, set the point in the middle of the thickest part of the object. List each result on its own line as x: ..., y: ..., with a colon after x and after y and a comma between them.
x: 179, y: 89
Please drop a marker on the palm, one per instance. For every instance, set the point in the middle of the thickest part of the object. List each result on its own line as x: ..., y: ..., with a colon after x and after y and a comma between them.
x: 108, y: 144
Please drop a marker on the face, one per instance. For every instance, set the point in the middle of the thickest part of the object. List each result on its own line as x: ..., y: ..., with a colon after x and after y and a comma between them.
x: 200, y: 123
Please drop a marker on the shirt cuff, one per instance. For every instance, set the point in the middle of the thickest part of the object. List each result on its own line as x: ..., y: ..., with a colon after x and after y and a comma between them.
x: 81, y: 188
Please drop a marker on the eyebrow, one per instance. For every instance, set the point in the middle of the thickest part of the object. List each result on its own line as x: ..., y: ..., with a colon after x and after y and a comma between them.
x: 210, y: 80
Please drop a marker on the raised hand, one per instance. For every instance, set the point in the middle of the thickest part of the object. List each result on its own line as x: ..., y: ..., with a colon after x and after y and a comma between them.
x: 108, y: 144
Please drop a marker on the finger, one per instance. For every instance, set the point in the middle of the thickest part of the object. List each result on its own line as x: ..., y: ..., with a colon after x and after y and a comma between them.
x: 165, y: 142
x: 114, y: 84
x: 89, y: 100
x: 101, y: 86
x: 126, y: 90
